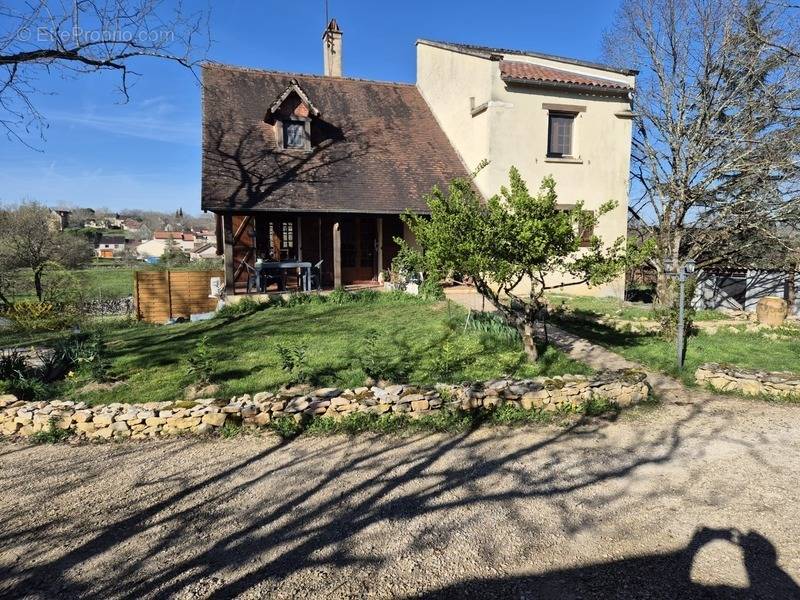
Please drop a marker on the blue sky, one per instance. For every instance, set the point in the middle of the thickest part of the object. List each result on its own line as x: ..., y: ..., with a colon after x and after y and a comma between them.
x: 145, y: 154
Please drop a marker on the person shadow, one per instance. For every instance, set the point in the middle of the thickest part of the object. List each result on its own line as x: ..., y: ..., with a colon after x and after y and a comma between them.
x: 666, y: 575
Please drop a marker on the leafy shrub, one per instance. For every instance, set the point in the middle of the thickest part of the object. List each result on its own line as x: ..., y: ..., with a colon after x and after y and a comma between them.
x: 12, y: 362
x: 26, y: 386
x: 245, y: 306
x: 50, y: 435
x: 449, y: 360
x: 340, y: 296
x: 31, y: 315
x: 231, y: 429
x: 88, y: 353
x: 293, y: 359
x: 379, y: 358
x: 431, y: 290
x: 286, y: 427
x: 200, y: 362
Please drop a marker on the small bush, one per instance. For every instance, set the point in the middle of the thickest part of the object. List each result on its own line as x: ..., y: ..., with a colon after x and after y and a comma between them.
x: 431, y: 290
x: 12, y: 362
x: 378, y: 358
x: 200, y: 363
x: 25, y: 386
x: 32, y: 315
x: 231, y: 429
x: 594, y: 407
x: 340, y: 296
x: 292, y: 360
x: 449, y: 360
x: 50, y: 435
x: 245, y: 306
x: 286, y: 427
x: 88, y: 353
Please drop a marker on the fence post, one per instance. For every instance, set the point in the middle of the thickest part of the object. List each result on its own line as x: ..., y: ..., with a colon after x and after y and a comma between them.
x: 169, y: 293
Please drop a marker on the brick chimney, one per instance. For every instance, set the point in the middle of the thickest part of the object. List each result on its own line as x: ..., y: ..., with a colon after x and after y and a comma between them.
x: 332, y: 49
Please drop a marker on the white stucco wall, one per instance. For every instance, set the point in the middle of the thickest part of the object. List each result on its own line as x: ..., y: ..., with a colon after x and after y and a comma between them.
x: 513, y: 130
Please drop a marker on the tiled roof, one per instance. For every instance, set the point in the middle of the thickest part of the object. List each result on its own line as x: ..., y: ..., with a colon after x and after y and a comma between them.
x: 175, y: 235
x: 513, y: 70
x: 376, y: 147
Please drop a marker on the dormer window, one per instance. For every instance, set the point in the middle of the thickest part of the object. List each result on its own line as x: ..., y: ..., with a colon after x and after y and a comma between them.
x: 294, y: 134
x: 291, y: 114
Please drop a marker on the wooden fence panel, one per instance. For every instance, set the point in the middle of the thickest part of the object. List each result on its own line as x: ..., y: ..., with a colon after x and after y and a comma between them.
x: 164, y: 295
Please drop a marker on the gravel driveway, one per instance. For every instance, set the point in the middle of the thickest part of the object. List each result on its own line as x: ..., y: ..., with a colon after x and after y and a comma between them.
x: 680, y: 501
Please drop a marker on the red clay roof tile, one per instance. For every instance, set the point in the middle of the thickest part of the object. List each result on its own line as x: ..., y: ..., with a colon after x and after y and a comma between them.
x: 523, y: 71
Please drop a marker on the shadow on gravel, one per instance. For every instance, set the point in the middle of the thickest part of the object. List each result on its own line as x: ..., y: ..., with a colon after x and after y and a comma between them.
x: 305, y: 504
x: 653, y: 576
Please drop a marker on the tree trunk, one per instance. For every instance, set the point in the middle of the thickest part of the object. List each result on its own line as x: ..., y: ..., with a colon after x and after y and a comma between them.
x: 37, y: 282
x: 529, y: 342
x: 791, y: 289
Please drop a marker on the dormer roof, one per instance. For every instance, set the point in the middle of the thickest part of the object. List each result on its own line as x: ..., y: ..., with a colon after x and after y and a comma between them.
x: 293, y: 88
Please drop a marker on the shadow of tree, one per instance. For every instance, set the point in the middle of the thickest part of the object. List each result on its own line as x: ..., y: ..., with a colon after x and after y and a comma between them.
x: 317, y: 505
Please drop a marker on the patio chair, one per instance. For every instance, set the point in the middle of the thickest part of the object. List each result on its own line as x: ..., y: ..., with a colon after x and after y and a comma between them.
x: 251, y: 278
x: 316, y: 276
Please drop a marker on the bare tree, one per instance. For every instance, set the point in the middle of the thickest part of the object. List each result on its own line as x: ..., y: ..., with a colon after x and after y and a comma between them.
x: 42, y: 38
x: 30, y: 239
x: 717, y: 132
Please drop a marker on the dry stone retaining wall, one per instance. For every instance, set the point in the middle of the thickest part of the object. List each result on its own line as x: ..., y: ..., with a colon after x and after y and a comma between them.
x: 207, y: 415
x: 748, y: 381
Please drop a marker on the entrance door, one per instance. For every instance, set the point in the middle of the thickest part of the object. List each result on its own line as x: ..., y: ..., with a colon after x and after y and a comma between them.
x: 359, y: 254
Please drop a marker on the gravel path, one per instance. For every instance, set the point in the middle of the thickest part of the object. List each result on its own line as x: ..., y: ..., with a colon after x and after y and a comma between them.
x: 684, y: 500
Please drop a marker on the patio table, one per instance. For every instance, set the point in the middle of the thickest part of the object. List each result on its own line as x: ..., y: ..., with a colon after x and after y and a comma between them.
x: 282, y: 265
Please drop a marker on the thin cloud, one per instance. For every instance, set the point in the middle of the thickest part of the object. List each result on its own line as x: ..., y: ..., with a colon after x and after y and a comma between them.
x: 157, y: 123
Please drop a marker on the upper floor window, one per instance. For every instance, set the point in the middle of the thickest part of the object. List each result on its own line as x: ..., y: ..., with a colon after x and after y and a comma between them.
x: 294, y: 134
x: 559, y: 138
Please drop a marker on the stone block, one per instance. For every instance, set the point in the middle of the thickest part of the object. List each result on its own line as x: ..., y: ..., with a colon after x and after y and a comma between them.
x: 417, y: 405
x: 215, y: 419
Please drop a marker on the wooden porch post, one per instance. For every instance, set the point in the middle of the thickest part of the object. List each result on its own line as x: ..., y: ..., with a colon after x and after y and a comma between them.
x: 227, y: 235
x: 262, y: 243
x: 337, y: 255
x: 319, y: 238
x: 299, y: 238
x: 380, y: 245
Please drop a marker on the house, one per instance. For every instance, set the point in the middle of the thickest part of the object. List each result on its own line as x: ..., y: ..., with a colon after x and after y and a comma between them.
x: 60, y: 217
x: 155, y: 247
x: 109, y: 246
x: 320, y: 167
x: 131, y: 225
x: 203, y: 251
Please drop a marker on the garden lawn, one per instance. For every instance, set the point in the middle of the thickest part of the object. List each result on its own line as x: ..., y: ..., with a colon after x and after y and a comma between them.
x: 411, y: 340
x: 106, y: 282
x: 598, y: 307
x: 748, y: 350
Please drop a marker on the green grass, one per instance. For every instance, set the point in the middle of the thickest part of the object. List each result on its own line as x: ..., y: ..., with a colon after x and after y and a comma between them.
x: 414, y: 340
x: 437, y: 421
x: 598, y: 307
x: 744, y: 349
x: 102, y: 281
x: 106, y: 282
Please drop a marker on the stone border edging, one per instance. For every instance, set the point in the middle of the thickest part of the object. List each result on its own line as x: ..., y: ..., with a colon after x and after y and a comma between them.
x: 750, y: 382
x: 153, y: 419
